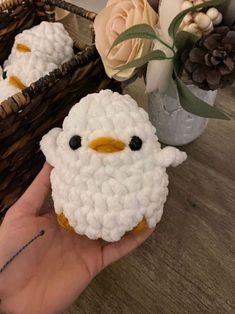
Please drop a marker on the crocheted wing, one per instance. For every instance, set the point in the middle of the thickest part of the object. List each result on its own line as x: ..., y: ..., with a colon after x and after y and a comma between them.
x: 49, y: 40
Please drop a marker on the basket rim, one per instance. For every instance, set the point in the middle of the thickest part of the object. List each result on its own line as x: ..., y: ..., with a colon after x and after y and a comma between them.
x: 21, y: 99
x: 13, y: 4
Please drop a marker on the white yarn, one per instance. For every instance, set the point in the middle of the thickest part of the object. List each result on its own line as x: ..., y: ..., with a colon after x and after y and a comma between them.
x: 46, y: 40
x: 105, y: 195
x: 29, y: 68
x: 50, y: 46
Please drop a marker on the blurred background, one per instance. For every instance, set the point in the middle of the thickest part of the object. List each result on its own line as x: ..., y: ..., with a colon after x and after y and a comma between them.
x: 92, y: 5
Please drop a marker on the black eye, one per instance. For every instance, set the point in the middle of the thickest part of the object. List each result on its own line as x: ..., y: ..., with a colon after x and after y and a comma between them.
x: 135, y: 143
x: 4, y: 75
x: 75, y: 142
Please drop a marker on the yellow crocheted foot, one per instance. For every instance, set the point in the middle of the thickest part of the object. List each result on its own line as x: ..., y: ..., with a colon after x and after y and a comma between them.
x: 140, y: 227
x: 63, y: 221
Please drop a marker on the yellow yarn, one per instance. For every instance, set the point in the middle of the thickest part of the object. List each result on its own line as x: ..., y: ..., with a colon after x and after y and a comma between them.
x: 140, y: 227
x: 107, y: 145
x: 63, y: 221
x: 16, y: 82
x: 23, y: 48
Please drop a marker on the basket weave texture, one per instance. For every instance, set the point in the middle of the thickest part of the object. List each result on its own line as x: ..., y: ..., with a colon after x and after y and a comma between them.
x: 27, y: 116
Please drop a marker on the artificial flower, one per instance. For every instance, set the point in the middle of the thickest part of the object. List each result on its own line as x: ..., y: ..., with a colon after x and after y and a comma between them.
x: 114, y: 19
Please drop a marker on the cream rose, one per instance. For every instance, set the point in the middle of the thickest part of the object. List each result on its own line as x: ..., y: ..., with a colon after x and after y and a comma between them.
x: 118, y: 16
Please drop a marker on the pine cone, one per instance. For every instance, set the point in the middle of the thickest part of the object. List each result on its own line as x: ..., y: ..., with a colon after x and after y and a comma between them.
x: 211, y: 62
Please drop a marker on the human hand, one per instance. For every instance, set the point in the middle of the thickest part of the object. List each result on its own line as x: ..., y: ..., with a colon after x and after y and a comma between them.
x: 52, y: 272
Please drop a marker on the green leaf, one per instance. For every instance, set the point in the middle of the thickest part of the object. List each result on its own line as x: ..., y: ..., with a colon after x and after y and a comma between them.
x: 153, y: 55
x: 183, y: 41
x: 136, y: 31
x: 195, y: 105
x: 175, y: 24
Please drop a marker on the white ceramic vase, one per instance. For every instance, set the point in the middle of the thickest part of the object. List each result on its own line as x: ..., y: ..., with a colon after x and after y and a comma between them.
x: 174, y: 125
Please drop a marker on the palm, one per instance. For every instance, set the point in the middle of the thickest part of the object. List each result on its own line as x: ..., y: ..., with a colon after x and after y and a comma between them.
x: 54, y: 264
x: 49, y: 275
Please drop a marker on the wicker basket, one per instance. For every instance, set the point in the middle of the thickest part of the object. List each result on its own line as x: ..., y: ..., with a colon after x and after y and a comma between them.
x: 27, y: 116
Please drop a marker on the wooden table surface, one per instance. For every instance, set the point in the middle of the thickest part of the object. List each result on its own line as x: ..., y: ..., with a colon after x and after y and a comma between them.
x: 188, y: 264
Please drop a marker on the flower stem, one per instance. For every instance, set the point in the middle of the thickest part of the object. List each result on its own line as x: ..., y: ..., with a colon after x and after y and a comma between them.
x: 165, y: 44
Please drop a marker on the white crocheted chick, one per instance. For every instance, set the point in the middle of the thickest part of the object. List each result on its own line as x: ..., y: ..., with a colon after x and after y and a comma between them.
x: 109, y: 173
x: 27, y: 70
x: 47, y: 40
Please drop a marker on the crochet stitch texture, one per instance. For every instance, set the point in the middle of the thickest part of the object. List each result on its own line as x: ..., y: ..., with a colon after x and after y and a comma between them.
x: 105, y: 193
x: 49, y: 41
x: 35, y: 53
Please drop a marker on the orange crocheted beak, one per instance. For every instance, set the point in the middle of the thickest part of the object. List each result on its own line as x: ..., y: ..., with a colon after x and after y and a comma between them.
x: 107, y: 145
